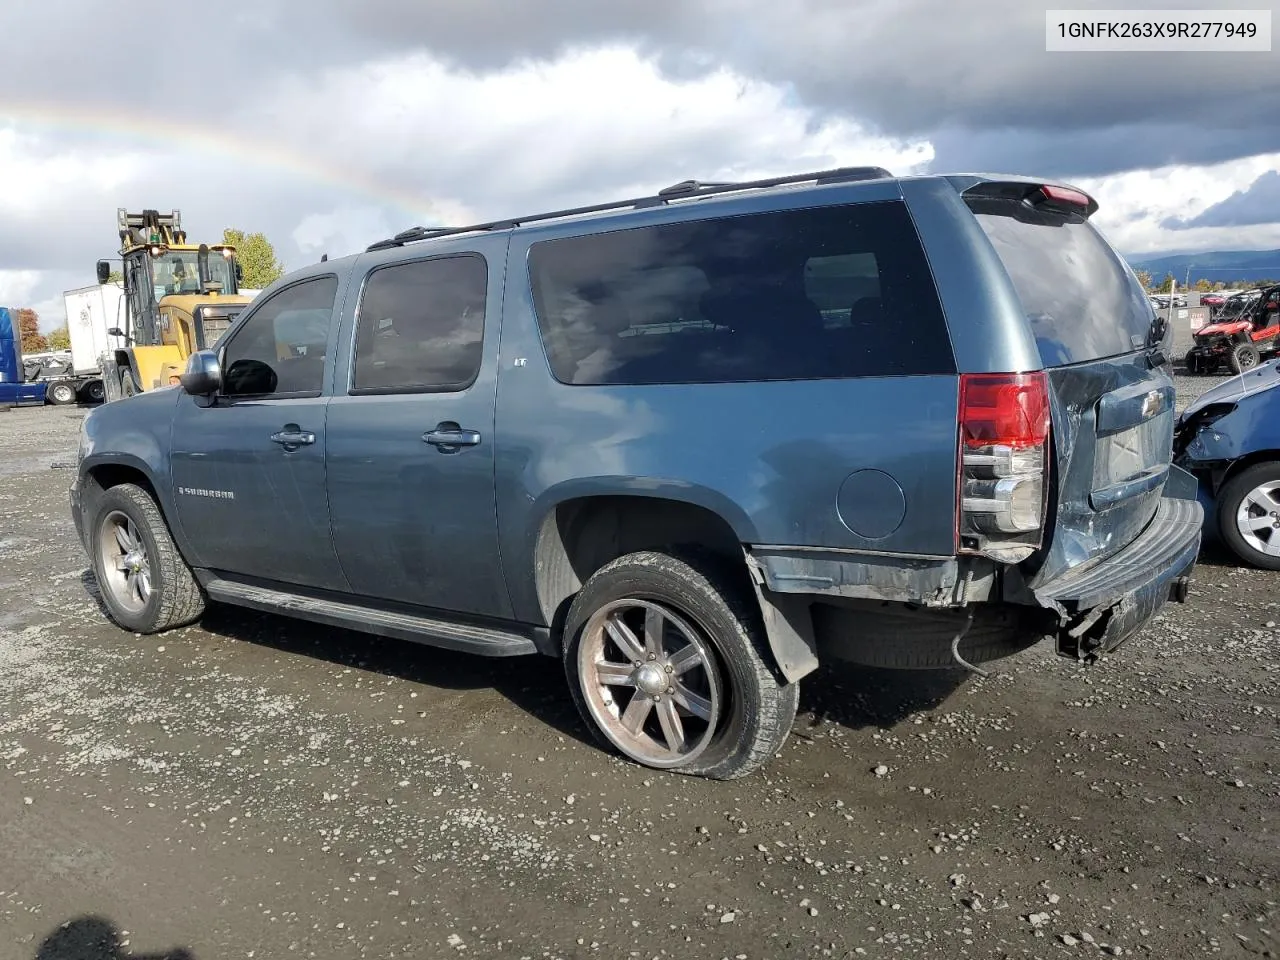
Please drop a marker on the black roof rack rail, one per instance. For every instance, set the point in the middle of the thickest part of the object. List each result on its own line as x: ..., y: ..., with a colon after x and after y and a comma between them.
x: 685, y: 188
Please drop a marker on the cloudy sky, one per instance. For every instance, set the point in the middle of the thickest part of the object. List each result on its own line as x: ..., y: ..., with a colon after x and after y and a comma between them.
x: 329, y: 124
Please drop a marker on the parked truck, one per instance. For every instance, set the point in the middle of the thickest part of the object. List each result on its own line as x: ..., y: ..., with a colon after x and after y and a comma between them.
x: 72, y: 375
x: 91, y: 312
x: 15, y: 389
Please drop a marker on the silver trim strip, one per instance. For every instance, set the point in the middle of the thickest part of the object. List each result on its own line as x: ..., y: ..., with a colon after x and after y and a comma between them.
x: 851, y: 551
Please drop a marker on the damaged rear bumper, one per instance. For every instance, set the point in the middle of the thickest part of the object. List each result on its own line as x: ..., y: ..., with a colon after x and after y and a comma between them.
x: 1103, y: 605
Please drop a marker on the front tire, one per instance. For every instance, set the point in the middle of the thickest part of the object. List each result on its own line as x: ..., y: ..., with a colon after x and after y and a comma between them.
x: 1244, y: 356
x: 128, y: 385
x: 1249, y: 515
x: 145, y: 584
x: 668, y: 663
x: 1191, y: 362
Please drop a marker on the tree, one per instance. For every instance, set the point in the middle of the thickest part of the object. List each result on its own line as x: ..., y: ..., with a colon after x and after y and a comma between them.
x: 1166, y: 285
x: 60, y: 339
x: 257, y: 257
x: 33, y: 341
x: 1144, y: 278
x: 1204, y: 286
x: 115, y: 276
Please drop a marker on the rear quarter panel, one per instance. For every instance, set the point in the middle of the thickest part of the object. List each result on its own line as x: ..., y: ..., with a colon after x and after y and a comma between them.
x: 989, y: 330
x: 768, y: 458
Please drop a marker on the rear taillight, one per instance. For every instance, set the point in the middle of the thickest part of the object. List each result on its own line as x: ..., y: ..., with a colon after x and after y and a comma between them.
x: 1004, y: 458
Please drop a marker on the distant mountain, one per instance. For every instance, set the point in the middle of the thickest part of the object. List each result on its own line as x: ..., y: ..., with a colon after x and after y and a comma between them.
x: 1212, y: 265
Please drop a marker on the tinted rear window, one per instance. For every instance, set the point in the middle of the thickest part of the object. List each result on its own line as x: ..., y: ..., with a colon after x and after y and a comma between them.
x: 829, y: 292
x: 1080, y: 299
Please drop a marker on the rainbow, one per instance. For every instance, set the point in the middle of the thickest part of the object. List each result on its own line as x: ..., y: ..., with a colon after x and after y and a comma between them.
x: 125, y: 127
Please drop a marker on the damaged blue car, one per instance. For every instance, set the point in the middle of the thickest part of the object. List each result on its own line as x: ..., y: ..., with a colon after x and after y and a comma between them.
x: 1229, y: 439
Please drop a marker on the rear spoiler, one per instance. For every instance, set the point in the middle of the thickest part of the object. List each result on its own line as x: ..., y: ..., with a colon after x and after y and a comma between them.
x: 1041, y: 196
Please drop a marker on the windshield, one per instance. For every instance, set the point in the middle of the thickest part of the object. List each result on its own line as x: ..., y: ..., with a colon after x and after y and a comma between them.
x: 1236, y: 306
x: 177, y: 271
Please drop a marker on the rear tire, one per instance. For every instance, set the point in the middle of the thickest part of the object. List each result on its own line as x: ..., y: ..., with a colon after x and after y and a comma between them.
x: 649, y: 619
x: 61, y: 393
x: 145, y: 584
x: 1192, y: 362
x: 128, y: 385
x: 1245, y: 507
x: 94, y: 391
x: 1244, y: 357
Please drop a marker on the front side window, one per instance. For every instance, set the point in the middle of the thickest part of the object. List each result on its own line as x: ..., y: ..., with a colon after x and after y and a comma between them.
x: 420, y: 326
x: 280, y: 351
x: 828, y: 292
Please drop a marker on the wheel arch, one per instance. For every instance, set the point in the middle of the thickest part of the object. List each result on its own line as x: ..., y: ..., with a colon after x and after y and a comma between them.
x: 1243, y: 463
x: 579, y: 535
x: 98, y: 474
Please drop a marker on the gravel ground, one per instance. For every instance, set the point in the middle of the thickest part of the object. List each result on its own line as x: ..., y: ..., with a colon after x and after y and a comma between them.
x: 256, y: 787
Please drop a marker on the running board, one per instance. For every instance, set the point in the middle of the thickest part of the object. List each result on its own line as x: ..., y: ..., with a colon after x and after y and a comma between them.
x: 465, y: 637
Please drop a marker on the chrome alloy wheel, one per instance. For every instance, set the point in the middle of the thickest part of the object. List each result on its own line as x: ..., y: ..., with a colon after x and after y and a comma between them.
x: 1258, y: 518
x: 125, y: 566
x: 651, y: 682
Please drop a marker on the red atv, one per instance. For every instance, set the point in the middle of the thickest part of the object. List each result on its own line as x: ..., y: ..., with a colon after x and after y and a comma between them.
x: 1241, y: 340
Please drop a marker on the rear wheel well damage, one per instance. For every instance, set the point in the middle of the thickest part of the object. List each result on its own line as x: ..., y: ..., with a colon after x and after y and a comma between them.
x: 855, y: 613
x: 581, y: 536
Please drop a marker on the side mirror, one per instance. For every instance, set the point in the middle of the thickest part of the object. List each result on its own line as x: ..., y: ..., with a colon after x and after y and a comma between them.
x: 114, y: 332
x: 239, y: 272
x: 203, y: 375
x: 104, y: 271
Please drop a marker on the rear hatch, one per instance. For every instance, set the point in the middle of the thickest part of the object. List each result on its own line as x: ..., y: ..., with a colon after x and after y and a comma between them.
x: 1105, y: 352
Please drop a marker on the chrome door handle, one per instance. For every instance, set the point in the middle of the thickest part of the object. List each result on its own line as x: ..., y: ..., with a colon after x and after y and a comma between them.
x: 448, y: 436
x: 293, y: 438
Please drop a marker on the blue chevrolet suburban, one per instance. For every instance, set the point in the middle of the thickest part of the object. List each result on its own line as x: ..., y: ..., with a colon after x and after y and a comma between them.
x: 693, y: 444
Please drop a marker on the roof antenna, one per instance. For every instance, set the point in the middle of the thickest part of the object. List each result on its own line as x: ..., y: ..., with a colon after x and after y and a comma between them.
x: 324, y: 257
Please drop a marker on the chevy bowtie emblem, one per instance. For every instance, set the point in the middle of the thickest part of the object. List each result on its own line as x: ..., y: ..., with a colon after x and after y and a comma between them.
x: 1151, y: 404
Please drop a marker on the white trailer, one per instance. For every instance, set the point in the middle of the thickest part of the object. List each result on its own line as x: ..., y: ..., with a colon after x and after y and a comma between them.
x: 91, y: 312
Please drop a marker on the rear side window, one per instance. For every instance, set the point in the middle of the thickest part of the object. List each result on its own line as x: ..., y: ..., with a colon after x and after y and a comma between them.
x: 829, y: 292
x: 1081, y: 301
x: 421, y: 325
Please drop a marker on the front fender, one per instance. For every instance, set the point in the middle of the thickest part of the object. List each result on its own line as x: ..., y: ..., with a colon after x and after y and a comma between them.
x: 133, y: 435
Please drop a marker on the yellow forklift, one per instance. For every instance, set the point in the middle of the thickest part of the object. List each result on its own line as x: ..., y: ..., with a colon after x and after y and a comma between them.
x: 178, y: 298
